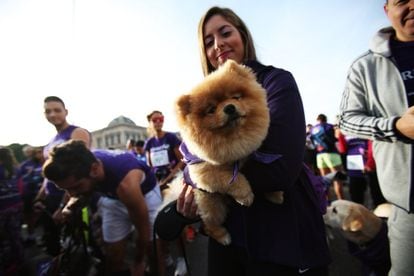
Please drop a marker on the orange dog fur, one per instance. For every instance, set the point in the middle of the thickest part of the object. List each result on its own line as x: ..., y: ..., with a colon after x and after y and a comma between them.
x: 223, y: 120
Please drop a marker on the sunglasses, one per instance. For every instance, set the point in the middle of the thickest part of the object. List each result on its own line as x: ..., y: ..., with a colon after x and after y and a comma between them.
x: 159, y: 119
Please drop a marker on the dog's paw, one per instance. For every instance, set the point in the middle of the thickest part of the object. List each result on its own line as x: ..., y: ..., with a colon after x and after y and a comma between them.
x: 225, y: 240
x: 247, y: 200
x: 219, y: 233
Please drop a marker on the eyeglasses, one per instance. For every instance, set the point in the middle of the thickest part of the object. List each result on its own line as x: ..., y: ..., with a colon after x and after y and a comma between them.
x: 159, y: 119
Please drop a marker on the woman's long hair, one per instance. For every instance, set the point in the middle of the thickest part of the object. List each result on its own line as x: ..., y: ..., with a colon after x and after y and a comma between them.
x: 235, y: 20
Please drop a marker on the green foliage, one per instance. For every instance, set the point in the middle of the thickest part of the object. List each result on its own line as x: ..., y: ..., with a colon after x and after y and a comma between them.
x: 17, y: 151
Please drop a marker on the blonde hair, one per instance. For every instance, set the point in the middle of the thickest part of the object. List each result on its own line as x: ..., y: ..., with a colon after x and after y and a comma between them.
x: 235, y: 20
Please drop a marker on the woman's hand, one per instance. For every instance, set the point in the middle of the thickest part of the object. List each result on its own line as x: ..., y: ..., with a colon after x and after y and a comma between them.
x: 186, y: 204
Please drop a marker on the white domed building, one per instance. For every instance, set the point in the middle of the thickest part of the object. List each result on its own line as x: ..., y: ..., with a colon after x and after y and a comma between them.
x: 117, y: 133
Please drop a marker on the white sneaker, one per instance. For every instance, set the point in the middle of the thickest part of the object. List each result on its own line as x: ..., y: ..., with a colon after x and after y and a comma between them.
x: 181, y: 267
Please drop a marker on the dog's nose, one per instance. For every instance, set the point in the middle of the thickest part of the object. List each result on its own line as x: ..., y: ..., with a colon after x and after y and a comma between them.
x: 229, y: 109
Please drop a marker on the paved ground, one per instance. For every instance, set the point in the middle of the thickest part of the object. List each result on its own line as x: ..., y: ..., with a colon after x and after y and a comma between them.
x: 343, y: 264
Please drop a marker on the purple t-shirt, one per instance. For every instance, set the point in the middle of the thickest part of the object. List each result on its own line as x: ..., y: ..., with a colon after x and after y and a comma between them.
x: 161, y: 151
x: 9, y: 192
x: 60, y: 138
x: 31, y: 174
x: 116, y: 166
x: 356, y: 156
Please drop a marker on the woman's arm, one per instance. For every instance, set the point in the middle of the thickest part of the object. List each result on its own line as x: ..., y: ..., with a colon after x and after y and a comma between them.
x: 285, y: 139
x: 179, y: 166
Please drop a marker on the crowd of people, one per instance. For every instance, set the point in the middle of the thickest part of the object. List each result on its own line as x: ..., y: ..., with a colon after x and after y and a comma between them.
x: 328, y: 151
x: 375, y: 125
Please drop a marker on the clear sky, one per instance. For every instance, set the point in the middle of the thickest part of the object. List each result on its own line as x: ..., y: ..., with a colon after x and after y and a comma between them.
x: 128, y: 57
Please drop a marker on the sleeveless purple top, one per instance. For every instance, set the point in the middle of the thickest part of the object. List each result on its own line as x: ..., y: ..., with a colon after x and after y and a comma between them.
x: 60, y: 138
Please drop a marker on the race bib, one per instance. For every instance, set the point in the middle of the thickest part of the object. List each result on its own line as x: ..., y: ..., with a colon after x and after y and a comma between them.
x: 159, y: 158
x: 355, y: 162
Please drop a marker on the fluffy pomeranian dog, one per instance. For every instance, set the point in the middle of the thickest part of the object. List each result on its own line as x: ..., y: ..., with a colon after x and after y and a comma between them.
x: 222, y: 120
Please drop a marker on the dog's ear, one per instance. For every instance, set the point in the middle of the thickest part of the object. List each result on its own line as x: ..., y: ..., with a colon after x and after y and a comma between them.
x: 356, y: 225
x: 241, y: 70
x: 183, y: 105
x: 353, y: 222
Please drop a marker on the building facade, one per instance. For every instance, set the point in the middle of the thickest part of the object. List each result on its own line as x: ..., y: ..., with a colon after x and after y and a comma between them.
x: 117, y: 133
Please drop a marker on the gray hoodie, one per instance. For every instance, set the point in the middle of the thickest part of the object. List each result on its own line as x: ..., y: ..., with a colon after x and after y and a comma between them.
x: 374, y: 98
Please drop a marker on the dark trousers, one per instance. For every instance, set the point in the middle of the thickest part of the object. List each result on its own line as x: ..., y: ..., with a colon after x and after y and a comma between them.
x: 357, y: 188
x: 51, y: 235
x: 233, y: 261
x: 376, y: 194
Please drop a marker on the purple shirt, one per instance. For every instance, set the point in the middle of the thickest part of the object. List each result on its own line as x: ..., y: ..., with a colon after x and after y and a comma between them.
x: 9, y: 192
x: 161, y: 151
x: 356, y: 155
x: 116, y: 166
x: 60, y: 138
x: 292, y: 233
x: 31, y: 174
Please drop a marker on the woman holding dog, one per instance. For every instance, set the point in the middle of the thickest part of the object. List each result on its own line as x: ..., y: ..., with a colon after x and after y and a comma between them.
x: 267, y: 239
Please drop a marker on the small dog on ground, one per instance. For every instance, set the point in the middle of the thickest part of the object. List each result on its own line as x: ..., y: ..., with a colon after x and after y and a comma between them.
x: 365, y: 231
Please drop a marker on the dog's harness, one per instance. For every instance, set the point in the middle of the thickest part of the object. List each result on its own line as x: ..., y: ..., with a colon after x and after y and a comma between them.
x: 190, y: 159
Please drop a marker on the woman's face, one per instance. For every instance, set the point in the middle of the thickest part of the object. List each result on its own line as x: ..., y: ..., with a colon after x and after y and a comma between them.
x: 157, y: 121
x: 222, y: 41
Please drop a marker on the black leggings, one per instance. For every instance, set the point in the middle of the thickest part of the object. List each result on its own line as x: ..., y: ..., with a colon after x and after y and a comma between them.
x: 357, y: 188
x: 233, y: 261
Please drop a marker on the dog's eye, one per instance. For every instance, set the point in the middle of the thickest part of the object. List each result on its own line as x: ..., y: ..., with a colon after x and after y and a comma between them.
x: 237, y: 96
x: 211, y: 110
x: 334, y: 210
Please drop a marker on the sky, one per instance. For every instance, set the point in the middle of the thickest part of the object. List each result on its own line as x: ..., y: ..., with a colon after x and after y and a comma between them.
x: 107, y: 58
